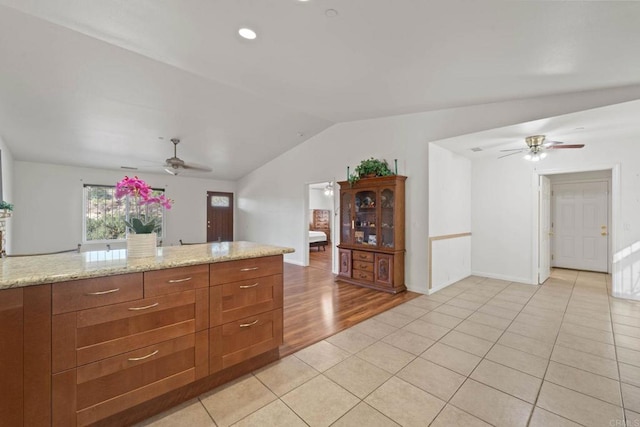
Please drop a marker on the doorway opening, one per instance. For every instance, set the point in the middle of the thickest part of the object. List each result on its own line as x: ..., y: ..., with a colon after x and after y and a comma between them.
x: 576, y: 218
x: 320, y: 214
x: 219, y: 216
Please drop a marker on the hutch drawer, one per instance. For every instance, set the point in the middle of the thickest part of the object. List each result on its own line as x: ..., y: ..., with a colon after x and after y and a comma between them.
x: 362, y: 256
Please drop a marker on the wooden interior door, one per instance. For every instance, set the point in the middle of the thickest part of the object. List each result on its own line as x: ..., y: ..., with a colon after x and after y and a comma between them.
x: 219, y: 216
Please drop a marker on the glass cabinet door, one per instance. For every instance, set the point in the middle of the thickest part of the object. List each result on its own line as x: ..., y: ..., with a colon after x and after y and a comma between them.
x: 387, y: 230
x: 346, y: 217
x: 365, y: 219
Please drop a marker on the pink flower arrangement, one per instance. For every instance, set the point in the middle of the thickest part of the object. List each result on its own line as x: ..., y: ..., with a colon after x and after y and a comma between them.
x: 140, y: 194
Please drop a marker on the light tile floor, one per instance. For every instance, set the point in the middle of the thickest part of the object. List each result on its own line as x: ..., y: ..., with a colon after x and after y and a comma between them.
x: 480, y: 352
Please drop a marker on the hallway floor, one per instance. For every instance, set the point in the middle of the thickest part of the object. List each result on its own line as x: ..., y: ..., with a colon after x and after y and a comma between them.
x: 480, y: 352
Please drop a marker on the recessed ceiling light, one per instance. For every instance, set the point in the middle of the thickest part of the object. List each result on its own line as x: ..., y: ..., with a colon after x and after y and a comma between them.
x: 247, y: 33
x: 331, y: 13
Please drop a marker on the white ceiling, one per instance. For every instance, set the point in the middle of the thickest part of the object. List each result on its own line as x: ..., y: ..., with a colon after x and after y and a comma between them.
x: 95, y: 83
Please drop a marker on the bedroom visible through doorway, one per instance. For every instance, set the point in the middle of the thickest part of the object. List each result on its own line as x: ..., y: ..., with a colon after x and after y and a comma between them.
x: 320, y: 219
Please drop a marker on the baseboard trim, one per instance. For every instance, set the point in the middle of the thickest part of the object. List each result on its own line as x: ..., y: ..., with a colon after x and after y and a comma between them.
x: 505, y: 277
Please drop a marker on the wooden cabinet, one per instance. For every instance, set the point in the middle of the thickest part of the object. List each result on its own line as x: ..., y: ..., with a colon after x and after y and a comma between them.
x: 25, y: 358
x: 112, y: 350
x: 110, y: 356
x: 246, y: 310
x: 372, y: 240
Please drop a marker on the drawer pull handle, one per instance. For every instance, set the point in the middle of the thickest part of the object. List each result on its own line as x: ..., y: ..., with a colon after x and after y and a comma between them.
x: 363, y: 256
x: 110, y: 291
x: 362, y: 276
x: 145, y: 307
x: 135, y: 359
x: 249, y: 269
x: 246, y: 325
x: 186, y: 279
x: 249, y: 286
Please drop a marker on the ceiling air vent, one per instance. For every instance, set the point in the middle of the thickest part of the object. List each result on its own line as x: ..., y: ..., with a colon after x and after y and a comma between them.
x: 476, y: 149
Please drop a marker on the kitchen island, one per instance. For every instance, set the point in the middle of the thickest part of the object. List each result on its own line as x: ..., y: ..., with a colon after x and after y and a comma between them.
x: 97, y: 338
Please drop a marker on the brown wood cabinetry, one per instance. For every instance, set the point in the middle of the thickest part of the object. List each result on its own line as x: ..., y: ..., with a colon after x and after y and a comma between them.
x: 112, y: 350
x: 372, y: 233
x: 246, y: 309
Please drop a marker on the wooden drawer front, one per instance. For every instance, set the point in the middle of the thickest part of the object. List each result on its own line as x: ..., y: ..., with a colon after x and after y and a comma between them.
x: 238, y: 341
x: 236, y: 271
x: 362, y: 256
x: 90, y: 335
x: 98, y: 390
x: 363, y: 266
x: 89, y: 293
x: 363, y: 275
x: 233, y: 301
x: 162, y: 282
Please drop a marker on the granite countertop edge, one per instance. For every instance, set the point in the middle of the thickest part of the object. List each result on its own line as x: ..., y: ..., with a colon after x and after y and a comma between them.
x: 23, y: 272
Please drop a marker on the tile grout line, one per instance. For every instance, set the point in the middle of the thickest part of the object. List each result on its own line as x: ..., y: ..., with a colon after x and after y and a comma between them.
x: 615, y: 349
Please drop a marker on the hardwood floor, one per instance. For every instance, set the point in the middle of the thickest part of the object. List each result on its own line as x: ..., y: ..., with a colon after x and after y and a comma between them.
x: 316, y: 306
x: 319, y: 258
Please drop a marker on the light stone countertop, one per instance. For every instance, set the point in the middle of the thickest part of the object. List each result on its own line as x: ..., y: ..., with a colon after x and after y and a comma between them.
x: 25, y: 271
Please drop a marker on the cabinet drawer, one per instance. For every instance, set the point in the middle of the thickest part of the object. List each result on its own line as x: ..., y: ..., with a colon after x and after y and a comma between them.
x: 363, y: 266
x: 235, y: 271
x: 162, y: 282
x: 233, y: 301
x: 101, y: 389
x: 363, y: 275
x: 88, y: 293
x: 362, y: 256
x: 90, y: 335
x: 241, y: 340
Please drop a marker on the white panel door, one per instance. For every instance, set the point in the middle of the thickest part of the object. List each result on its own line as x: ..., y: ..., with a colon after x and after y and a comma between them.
x: 580, y: 226
x: 544, y: 229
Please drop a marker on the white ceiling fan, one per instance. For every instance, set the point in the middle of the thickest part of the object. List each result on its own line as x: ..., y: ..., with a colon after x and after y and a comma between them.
x: 175, y: 165
x: 536, y: 147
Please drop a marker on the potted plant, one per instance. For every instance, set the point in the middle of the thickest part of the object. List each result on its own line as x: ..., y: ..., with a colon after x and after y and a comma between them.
x: 142, y: 226
x: 6, y: 209
x: 369, y: 168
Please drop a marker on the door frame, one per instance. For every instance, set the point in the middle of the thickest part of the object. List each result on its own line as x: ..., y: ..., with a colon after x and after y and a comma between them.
x: 614, y: 218
x: 305, y: 223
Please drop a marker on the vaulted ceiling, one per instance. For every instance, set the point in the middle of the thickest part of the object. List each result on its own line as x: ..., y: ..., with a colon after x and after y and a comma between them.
x: 107, y: 83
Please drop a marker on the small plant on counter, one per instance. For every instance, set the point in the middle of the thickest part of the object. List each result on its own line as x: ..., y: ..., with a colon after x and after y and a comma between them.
x: 6, y: 206
x: 142, y: 202
x: 370, y: 167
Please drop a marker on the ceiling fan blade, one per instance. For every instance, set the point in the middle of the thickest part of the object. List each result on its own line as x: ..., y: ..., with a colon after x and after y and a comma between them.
x: 511, y: 154
x: 198, y: 168
x: 556, y: 147
x: 552, y: 143
x: 513, y: 149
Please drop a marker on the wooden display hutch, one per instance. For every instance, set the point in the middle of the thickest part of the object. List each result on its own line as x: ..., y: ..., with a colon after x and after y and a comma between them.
x: 371, y: 248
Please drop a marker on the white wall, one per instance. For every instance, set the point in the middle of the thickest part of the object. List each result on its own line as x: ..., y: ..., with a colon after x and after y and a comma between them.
x: 48, y: 204
x: 504, y: 205
x: 318, y: 200
x: 7, y: 190
x: 449, y: 213
x: 271, y: 198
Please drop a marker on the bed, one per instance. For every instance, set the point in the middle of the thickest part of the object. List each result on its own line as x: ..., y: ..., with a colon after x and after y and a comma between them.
x: 317, y: 239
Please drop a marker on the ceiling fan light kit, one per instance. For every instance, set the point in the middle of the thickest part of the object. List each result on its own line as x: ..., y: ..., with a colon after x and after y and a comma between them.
x: 536, y: 147
x: 175, y: 165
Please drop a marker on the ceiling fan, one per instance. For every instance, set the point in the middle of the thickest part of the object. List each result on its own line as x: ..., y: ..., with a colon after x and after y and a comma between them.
x: 175, y: 165
x: 536, y: 147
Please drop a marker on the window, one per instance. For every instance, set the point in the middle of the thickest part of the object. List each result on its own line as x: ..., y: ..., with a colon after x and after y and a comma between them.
x: 104, y: 215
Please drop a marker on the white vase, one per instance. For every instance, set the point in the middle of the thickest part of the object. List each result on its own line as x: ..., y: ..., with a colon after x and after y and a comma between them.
x: 141, y: 245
